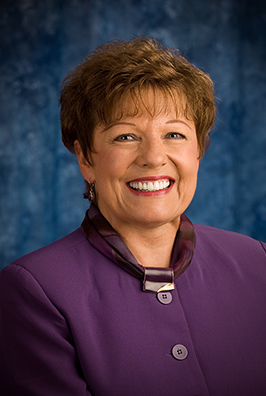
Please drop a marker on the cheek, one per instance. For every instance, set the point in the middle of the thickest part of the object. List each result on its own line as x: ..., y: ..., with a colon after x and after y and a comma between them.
x: 188, y: 164
x: 111, y: 164
x: 193, y: 159
x: 193, y: 169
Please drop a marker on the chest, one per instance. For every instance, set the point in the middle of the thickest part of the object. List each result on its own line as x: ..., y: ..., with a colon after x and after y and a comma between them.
x: 206, y: 337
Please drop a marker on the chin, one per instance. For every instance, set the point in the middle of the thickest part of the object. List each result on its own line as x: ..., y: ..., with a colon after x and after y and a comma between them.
x: 156, y: 217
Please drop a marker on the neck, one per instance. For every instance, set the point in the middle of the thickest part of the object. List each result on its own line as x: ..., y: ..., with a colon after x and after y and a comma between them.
x: 152, y: 247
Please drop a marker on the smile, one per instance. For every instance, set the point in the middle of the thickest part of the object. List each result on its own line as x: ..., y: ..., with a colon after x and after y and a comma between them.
x: 148, y: 185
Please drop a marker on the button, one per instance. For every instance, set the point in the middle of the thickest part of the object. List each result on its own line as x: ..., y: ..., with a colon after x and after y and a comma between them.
x: 164, y: 297
x: 179, y: 352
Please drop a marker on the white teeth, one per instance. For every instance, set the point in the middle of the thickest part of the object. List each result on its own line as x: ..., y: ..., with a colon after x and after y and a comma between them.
x: 150, y: 186
x: 156, y: 186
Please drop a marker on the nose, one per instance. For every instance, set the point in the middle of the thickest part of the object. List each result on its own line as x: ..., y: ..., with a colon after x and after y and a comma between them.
x: 152, y: 153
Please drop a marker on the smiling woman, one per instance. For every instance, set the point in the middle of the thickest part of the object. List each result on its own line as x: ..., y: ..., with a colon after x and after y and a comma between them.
x: 154, y: 150
x: 137, y: 301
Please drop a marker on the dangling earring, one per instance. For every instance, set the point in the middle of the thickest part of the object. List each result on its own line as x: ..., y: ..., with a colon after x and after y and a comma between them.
x: 90, y: 191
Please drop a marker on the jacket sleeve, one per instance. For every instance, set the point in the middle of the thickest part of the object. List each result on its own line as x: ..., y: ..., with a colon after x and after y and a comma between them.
x: 37, y: 351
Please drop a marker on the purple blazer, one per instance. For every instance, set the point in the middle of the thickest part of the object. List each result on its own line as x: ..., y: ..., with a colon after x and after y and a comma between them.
x: 73, y: 323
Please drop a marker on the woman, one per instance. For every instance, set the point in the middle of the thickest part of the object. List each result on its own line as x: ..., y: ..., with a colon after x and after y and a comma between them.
x: 137, y: 301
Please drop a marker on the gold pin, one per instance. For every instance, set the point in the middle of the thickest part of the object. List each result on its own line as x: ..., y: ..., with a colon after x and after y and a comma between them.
x: 168, y: 287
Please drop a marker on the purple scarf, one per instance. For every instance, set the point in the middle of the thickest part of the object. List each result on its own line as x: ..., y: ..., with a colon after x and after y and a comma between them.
x: 105, y: 239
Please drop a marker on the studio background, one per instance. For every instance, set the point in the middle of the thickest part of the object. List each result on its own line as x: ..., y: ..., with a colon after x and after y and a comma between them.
x: 40, y: 184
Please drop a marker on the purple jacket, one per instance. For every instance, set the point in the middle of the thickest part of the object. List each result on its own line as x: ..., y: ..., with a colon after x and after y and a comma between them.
x: 73, y: 323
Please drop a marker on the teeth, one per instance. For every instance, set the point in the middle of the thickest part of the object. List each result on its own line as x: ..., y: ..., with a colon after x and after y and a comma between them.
x: 156, y: 186
x: 150, y: 186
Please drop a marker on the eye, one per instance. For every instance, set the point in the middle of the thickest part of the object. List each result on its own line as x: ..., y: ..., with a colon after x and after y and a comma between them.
x: 174, y: 135
x: 126, y: 137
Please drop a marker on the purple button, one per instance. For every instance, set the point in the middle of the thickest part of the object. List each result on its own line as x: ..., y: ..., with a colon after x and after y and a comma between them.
x: 179, y: 352
x: 164, y: 297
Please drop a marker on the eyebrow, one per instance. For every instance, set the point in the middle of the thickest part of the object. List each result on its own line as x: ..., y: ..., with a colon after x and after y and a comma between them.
x: 132, y: 124
x: 118, y: 123
x: 178, y: 121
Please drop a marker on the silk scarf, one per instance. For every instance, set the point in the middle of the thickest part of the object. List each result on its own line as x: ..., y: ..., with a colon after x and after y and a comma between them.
x: 105, y: 239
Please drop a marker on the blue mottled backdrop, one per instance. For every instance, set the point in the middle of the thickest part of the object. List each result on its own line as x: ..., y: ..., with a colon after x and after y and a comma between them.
x: 40, y: 41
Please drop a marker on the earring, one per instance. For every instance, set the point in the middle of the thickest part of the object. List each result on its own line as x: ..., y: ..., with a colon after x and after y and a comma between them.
x: 89, y: 191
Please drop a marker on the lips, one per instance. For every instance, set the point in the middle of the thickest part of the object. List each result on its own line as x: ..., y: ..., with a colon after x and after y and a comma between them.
x: 150, y: 185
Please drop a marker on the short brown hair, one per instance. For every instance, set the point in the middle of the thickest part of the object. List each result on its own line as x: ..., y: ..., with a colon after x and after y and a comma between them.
x: 92, y: 92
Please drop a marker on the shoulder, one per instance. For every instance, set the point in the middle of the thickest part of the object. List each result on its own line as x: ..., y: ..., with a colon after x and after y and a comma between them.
x: 207, y: 232
x: 218, y: 241
x: 60, y: 258
x: 64, y: 246
x: 64, y: 268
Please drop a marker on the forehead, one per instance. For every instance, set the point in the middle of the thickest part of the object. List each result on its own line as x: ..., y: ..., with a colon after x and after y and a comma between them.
x: 152, y: 101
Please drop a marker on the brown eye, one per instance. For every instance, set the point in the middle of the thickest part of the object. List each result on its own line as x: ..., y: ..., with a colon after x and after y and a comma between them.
x: 174, y: 135
x: 127, y: 137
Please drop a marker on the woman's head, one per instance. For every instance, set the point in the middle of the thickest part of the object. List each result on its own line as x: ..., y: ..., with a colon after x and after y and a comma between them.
x: 95, y: 92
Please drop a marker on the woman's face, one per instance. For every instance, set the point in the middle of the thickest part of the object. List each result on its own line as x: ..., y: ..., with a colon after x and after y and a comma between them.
x: 144, y: 167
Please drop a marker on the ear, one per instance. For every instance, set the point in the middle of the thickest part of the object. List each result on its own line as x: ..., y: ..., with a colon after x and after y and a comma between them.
x: 85, y: 168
